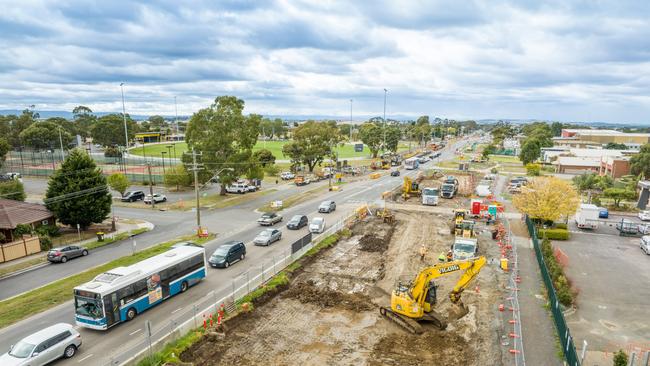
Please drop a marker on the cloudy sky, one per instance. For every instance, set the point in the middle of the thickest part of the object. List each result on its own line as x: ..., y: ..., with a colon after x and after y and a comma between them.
x: 558, y: 60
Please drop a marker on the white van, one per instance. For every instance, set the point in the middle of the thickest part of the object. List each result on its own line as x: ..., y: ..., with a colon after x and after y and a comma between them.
x: 645, y: 244
x: 237, y: 188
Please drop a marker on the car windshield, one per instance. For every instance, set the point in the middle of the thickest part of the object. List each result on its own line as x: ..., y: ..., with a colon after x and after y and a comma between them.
x: 317, y: 221
x: 88, y: 307
x: 22, y: 350
x: 430, y: 192
x: 267, y: 216
x: 265, y: 233
x: 296, y: 218
x: 220, y: 252
x: 468, y: 248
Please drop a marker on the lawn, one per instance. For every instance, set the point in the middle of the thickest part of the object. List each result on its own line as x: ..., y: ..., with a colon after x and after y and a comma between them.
x: 346, y: 151
x: 504, y: 159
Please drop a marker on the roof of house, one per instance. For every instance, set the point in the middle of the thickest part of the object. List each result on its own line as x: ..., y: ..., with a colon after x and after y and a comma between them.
x: 572, y: 161
x: 13, y: 213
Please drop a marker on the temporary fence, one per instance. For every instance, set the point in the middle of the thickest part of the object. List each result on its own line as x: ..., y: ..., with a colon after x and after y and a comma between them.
x: 201, y: 312
x: 566, y: 340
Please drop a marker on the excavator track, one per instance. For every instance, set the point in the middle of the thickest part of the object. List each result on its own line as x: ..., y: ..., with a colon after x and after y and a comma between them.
x: 436, y: 319
x: 404, y: 322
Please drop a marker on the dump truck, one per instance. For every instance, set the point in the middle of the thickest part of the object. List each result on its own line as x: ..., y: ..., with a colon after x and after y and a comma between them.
x: 450, y: 187
x: 430, y: 196
x: 464, y: 248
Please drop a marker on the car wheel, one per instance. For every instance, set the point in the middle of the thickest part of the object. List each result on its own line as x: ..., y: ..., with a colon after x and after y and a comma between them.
x: 242, y: 256
x: 69, y: 351
x: 64, y: 259
x: 84, y: 253
x: 164, y: 199
x: 131, y: 313
x: 184, y: 286
x: 227, y: 264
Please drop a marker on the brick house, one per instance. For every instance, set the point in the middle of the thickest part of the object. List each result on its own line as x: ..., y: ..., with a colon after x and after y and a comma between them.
x: 14, y: 213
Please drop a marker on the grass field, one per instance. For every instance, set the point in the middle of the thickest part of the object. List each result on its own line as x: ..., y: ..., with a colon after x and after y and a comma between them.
x: 345, y: 151
x: 504, y: 159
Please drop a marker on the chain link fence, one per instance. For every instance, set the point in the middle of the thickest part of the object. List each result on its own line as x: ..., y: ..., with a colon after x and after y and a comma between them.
x: 515, y: 334
x: 155, y: 335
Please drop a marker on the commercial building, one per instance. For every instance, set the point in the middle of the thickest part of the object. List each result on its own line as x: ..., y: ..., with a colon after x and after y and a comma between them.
x: 582, y: 138
x: 615, y: 163
x: 614, y: 166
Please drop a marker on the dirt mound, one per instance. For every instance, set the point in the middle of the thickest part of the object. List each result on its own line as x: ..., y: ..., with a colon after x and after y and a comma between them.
x: 307, y: 292
x: 430, y: 348
x: 377, y: 242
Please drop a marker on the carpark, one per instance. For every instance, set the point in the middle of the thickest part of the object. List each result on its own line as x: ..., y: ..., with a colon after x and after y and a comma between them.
x: 612, y: 276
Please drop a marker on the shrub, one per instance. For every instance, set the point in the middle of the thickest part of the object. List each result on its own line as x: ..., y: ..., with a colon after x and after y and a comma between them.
x: 554, y: 234
x: 46, y: 242
x: 533, y: 169
x: 272, y: 170
x: 620, y: 358
x: 2, y: 238
x: 48, y: 230
x: 561, y: 226
x: 494, y: 171
x: 22, y: 229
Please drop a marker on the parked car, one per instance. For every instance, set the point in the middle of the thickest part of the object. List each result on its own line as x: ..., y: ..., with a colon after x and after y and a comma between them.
x: 227, y: 254
x: 45, y: 346
x: 327, y: 207
x: 267, y: 237
x: 603, y: 212
x: 287, y: 175
x: 645, y: 244
x: 252, y: 188
x: 644, y: 215
x: 297, y: 222
x: 62, y: 254
x: 394, y: 173
x: 269, y: 218
x: 237, y: 188
x: 317, y: 225
x: 133, y: 196
x: 157, y: 198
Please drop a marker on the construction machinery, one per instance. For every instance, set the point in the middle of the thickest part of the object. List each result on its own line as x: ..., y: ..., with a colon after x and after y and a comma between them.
x: 380, y: 164
x: 385, y: 213
x: 413, y: 302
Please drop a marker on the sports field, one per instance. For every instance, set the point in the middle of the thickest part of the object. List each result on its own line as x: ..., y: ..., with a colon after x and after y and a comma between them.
x: 345, y: 151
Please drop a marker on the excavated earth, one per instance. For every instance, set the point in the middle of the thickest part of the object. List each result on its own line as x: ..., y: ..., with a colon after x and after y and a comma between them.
x: 329, y: 313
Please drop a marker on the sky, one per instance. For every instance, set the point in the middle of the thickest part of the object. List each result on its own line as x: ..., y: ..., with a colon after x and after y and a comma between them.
x: 521, y: 59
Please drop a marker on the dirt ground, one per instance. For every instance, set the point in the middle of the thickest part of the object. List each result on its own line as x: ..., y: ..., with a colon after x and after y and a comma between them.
x: 329, y: 314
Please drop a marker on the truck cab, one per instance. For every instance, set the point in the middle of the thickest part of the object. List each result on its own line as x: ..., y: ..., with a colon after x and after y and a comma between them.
x: 464, y: 248
x: 448, y: 190
x: 430, y: 196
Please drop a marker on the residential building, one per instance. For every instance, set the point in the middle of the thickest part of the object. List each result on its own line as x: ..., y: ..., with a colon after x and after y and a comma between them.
x: 14, y: 213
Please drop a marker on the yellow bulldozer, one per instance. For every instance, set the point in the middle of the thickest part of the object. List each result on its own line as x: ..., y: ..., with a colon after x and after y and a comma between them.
x: 413, y: 302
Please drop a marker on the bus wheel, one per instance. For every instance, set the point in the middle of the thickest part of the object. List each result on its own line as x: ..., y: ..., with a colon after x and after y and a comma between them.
x: 183, y: 286
x: 131, y: 313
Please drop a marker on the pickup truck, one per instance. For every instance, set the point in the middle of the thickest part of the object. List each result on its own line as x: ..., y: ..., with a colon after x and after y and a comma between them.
x: 301, y: 180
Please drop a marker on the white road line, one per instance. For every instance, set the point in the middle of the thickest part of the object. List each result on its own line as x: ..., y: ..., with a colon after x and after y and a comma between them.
x: 177, y: 310
x: 132, y: 333
x: 85, y: 358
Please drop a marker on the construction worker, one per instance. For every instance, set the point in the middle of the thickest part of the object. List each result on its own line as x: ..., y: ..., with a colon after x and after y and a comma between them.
x: 450, y: 256
x: 441, y: 257
x: 423, y: 252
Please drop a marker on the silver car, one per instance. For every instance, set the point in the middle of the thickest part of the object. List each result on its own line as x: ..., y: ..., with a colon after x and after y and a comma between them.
x: 54, y: 342
x: 267, y: 237
x: 327, y: 207
x: 317, y: 225
x: 63, y: 254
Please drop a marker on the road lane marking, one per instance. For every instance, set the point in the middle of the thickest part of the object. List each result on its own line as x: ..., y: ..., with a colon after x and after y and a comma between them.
x: 177, y: 310
x: 85, y: 358
x: 132, y: 333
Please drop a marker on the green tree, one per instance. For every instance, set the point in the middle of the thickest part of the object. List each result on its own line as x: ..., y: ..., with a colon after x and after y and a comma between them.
x: 312, y: 143
x: 225, y: 137
x: 44, y: 135
x: 77, y: 192
x: 615, y: 146
x: 84, y: 118
x: 640, y: 163
x: 177, y: 176
x: 530, y: 151
x: 109, y: 130
x: 393, y: 135
x: 371, y: 135
x: 423, y: 129
x: 501, y: 131
x: 533, y: 169
x: 620, y: 358
x: 157, y: 123
x: 556, y: 129
x: 619, y: 194
x: 19, y: 124
x: 12, y: 190
x: 489, y: 150
x: 264, y: 157
x: 344, y: 129
x: 4, y: 149
x: 118, y: 182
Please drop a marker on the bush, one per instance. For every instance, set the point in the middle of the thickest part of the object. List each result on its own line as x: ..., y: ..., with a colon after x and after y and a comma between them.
x: 494, y: 171
x: 562, y: 226
x: 12, y: 190
x: 620, y: 358
x: 48, y: 230
x: 272, y: 170
x: 22, y: 229
x: 46, y: 242
x: 533, y: 169
x: 554, y: 234
x: 560, y: 282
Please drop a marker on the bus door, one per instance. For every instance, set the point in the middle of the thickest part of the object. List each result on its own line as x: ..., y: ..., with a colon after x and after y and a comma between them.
x: 112, y: 309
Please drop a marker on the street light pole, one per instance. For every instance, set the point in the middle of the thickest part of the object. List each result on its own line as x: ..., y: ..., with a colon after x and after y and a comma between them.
x: 351, y: 121
x: 126, y: 135
x: 61, y: 143
x: 385, y: 93
x: 176, y: 116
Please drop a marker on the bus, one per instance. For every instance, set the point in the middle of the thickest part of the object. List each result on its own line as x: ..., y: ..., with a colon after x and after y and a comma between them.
x: 121, y: 293
x: 411, y: 163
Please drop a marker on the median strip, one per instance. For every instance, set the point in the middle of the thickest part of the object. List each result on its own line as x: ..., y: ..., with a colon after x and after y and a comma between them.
x: 293, y: 200
x: 58, y: 292
x: 217, y: 201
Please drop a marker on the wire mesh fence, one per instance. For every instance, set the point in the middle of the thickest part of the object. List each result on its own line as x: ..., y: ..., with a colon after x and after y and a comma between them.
x: 204, y: 309
x: 515, y: 334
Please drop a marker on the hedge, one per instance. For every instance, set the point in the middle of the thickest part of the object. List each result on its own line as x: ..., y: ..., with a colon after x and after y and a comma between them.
x: 560, y: 226
x: 554, y: 234
x: 555, y: 270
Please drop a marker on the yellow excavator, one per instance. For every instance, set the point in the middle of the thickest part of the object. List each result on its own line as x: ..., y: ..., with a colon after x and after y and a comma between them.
x: 413, y: 302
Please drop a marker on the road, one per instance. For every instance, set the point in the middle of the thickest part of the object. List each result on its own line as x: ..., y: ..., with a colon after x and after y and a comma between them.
x: 126, y: 339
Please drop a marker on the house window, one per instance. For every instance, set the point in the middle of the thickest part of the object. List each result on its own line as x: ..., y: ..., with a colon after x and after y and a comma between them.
x: 45, y: 222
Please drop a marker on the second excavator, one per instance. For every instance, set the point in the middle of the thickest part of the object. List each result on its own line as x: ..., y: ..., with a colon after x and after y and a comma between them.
x: 414, y: 301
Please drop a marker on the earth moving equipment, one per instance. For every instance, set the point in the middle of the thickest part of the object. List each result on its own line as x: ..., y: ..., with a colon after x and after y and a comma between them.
x: 410, y: 188
x: 413, y: 302
x: 380, y: 164
x: 459, y: 215
x: 385, y: 213
x: 464, y: 229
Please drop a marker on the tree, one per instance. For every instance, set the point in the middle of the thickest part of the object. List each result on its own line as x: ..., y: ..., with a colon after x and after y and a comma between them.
x: 344, y: 129
x: 533, y: 169
x: 19, y: 124
x: 264, y: 157
x: 177, y: 176
x: 112, y: 152
x: 640, y: 163
x: 118, y: 182
x: 530, y: 151
x: 615, y: 146
x: 556, y: 129
x: 619, y: 194
x: 84, y: 118
x: 423, y: 129
x: 592, y: 181
x: 44, y: 135
x: 4, y: 149
x: 312, y: 143
x: 547, y: 198
x: 501, y: 131
x: 620, y: 358
x: 225, y: 137
x: 12, y: 190
x: 393, y: 135
x: 157, y: 123
x: 77, y: 192
x: 489, y: 150
x: 109, y: 130
x: 371, y: 135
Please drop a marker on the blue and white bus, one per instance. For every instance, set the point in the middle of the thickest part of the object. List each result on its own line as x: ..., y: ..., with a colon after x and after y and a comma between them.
x: 411, y: 163
x: 120, y: 294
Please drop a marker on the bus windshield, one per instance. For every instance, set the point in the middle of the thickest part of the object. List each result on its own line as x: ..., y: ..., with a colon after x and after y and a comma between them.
x: 88, y: 307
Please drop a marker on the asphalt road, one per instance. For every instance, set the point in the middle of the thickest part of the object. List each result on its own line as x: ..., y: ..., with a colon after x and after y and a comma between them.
x: 237, y: 223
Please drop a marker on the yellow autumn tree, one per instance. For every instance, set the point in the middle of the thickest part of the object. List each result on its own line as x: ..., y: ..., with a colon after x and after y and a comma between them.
x: 547, y: 198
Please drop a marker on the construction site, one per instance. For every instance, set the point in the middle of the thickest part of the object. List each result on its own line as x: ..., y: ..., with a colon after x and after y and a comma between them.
x: 342, y: 308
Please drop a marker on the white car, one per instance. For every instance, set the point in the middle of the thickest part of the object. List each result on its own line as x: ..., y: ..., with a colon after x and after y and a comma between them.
x: 287, y: 176
x: 57, y: 341
x: 644, y: 215
x: 157, y: 198
x: 317, y: 225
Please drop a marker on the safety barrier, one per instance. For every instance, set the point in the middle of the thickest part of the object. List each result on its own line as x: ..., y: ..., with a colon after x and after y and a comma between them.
x: 566, y: 340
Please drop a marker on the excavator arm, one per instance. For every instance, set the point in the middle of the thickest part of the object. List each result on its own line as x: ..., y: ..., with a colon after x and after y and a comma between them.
x: 466, y: 278
x: 471, y: 267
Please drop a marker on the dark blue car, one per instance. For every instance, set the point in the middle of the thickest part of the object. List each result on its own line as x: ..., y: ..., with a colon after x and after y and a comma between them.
x: 603, y: 213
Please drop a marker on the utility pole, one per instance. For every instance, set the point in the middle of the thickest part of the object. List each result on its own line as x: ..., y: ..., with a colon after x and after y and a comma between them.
x: 195, y: 168
x: 126, y: 135
x: 61, y: 143
x: 153, y: 202
x: 176, y: 117
x: 385, y: 93
x: 351, y: 121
